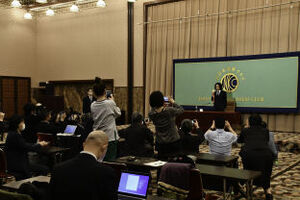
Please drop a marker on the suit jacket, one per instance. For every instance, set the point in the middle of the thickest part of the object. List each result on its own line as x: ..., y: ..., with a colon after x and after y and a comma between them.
x: 83, y: 177
x: 221, y: 99
x: 86, y: 105
x: 16, y: 149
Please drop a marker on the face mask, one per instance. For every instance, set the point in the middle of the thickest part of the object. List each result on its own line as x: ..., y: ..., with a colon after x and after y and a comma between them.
x: 23, y: 127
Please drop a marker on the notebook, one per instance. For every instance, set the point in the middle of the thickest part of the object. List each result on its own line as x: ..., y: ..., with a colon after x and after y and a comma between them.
x: 133, y: 185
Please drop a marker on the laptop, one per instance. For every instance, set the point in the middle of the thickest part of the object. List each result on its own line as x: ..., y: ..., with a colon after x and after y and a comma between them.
x: 133, y: 185
x: 70, y: 129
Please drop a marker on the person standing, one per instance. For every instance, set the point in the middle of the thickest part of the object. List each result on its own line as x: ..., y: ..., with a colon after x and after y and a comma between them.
x: 87, y: 101
x: 104, y: 112
x: 256, y: 153
x: 167, y: 142
x: 219, y: 97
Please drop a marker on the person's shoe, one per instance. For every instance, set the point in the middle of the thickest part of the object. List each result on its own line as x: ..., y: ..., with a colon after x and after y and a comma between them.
x: 269, y: 197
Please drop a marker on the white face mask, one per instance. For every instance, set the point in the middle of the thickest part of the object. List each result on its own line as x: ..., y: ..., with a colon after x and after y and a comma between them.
x: 23, y: 127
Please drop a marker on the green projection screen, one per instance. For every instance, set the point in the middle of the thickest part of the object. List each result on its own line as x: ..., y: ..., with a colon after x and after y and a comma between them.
x: 256, y: 83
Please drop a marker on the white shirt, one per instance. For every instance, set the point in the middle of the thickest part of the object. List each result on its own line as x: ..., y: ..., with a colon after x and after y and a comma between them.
x: 89, y: 153
x: 220, y: 141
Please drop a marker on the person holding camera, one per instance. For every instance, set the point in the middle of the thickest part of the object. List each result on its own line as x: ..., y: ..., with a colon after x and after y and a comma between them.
x: 256, y: 153
x: 163, y: 117
x: 104, y: 112
x: 220, y: 141
x: 191, y: 136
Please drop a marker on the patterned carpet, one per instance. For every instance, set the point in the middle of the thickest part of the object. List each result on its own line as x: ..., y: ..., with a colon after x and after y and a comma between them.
x: 286, y: 175
x: 286, y: 171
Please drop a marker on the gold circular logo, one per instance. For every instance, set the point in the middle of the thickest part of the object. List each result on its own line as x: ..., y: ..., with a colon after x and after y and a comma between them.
x: 230, y: 82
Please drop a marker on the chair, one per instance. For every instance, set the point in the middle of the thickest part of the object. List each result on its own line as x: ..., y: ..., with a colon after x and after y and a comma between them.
x: 5, y: 195
x: 47, y: 137
x: 196, y: 187
x: 3, y: 168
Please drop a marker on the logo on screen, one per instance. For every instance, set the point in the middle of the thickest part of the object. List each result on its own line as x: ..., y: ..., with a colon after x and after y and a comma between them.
x: 230, y: 82
x: 230, y: 78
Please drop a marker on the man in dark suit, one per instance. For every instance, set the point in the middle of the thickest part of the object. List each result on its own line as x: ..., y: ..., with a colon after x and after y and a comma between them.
x: 219, y: 98
x: 83, y: 177
x: 87, y: 101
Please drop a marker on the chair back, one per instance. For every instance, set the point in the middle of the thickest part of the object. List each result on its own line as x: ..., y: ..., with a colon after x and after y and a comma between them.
x: 47, y: 137
x: 196, y: 187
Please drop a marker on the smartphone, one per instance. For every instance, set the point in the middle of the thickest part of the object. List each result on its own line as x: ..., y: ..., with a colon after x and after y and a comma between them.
x: 108, y: 93
x: 166, y: 99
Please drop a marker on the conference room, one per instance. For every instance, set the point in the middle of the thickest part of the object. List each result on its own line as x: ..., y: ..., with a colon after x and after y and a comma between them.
x: 149, y: 99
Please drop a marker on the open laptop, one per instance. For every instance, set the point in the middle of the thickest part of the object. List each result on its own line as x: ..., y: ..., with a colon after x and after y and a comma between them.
x: 70, y: 129
x: 133, y: 185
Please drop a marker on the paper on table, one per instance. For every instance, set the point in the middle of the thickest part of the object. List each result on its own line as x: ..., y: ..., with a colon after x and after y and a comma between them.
x: 158, y: 163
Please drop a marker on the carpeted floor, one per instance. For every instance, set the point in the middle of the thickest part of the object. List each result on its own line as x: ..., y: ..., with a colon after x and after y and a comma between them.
x: 286, y: 172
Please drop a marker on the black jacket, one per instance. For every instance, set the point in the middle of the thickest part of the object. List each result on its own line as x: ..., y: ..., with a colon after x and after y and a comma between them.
x: 16, y: 149
x: 221, y: 99
x: 86, y: 104
x: 139, y: 140
x: 254, y: 138
x: 83, y: 177
x: 190, y: 143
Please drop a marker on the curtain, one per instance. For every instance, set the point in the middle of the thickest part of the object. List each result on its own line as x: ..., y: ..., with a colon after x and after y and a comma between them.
x: 264, y: 31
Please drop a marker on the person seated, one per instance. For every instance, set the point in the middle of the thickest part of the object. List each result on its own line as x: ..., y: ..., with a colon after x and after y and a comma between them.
x: 220, y: 141
x: 271, y: 142
x: 3, y: 126
x: 190, y: 141
x: 167, y: 137
x: 83, y: 177
x: 256, y: 153
x: 45, y: 126
x: 139, y: 138
x: 16, y: 149
x: 60, y: 121
x: 31, y: 121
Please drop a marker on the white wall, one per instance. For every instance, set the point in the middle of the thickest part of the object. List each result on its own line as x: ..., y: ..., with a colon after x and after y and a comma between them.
x: 84, y: 45
x: 17, y: 45
x: 72, y: 46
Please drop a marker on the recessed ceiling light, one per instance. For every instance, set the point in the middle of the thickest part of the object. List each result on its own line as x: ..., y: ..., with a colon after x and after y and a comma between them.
x: 101, y: 3
x: 27, y: 15
x: 74, y: 8
x: 41, y: 1
x: 50, y: 12
x: 16, y: 4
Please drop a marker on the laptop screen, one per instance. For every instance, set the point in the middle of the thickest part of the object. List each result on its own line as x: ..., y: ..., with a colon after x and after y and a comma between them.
x: 70, y: 129
x: 133, y: 184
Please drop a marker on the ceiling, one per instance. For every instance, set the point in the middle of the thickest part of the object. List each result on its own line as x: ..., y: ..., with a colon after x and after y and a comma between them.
x: 27, y: 4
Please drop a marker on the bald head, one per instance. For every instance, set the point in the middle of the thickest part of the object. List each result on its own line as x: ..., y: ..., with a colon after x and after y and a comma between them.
x: 96, y: 143
x: 96, y: 138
